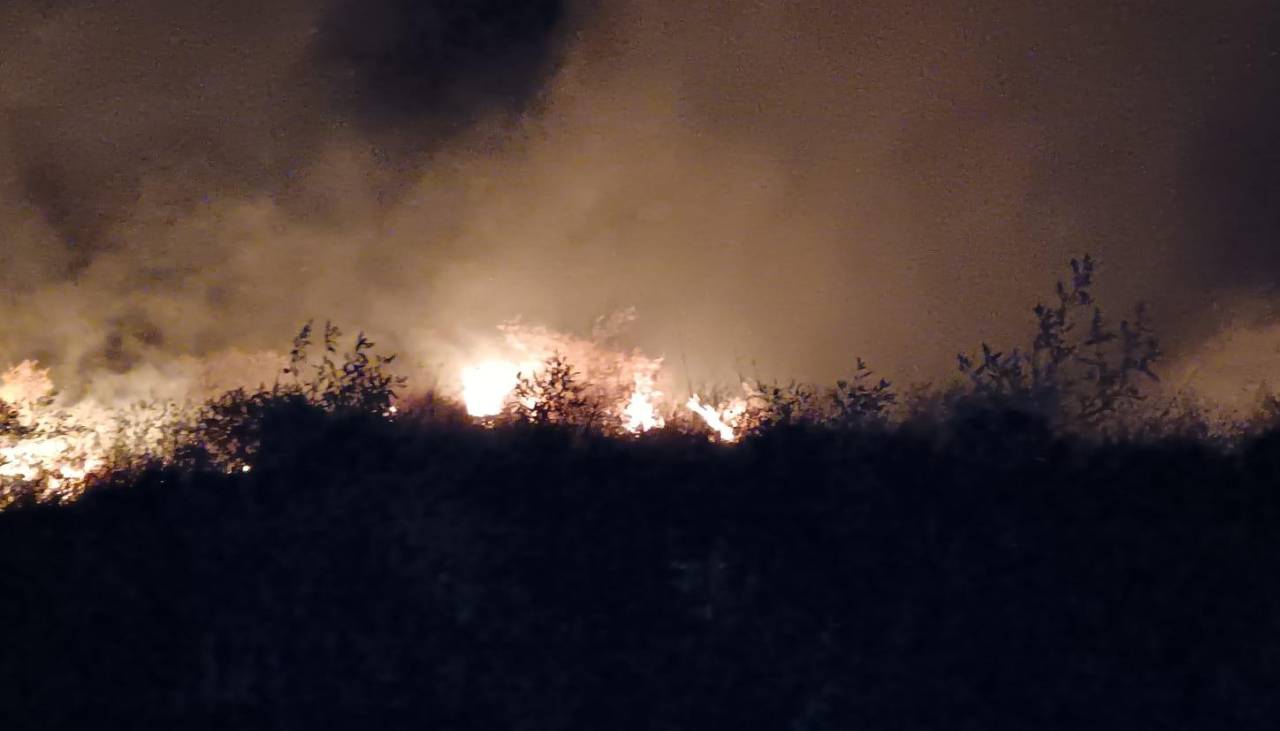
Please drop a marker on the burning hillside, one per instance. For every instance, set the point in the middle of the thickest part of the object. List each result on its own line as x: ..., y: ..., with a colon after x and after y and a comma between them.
x: 1079, y: 374
x: 51, y: 442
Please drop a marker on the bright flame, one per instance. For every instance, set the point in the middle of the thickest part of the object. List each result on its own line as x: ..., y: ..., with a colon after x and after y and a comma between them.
x: 724, y: 420
x: 54, y: 446
x: 41, y: 443
x: 486, y: 386
x: 641, y: 413
x: 53, y: 443
x: 58, y: 460
x: 621, y: 382
x: 25, y: 384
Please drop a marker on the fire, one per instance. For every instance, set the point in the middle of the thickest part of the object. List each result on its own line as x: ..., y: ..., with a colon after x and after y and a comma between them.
x: 486, y: 386
x: 54, y: 443
x: 641, y: 413
x: 41, y: 443
x: 26, y: 383
x: 724, y: 420
x: 489, y: 386
x: 57, y: 460
x: 623, y: 383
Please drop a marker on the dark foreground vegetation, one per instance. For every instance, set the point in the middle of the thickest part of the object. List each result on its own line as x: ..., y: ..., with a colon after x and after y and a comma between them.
x: 1019, y: 554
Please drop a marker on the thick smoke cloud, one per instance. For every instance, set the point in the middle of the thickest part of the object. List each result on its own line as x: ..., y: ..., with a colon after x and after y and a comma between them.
x: 778, y: 187
x: 402, y: 62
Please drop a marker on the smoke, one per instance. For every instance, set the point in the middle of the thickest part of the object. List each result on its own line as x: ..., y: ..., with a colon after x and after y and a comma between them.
x: 777, y: 187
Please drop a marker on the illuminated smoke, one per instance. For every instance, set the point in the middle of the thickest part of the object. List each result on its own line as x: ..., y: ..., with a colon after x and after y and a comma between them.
x: 792, y: 183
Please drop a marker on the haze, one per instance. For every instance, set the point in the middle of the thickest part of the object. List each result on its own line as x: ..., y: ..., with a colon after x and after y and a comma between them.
x: 776, y: 187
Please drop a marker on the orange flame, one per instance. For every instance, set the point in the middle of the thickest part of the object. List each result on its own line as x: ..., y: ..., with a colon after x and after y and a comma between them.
x: 723, y: 420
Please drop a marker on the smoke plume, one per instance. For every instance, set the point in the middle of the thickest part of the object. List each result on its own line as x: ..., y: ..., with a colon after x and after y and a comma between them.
x: 776, y: 187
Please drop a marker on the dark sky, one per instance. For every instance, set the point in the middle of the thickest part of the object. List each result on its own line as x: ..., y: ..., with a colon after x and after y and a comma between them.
x: 774, y: 185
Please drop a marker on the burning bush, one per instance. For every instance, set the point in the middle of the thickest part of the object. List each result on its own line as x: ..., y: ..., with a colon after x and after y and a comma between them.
x: 1078, y: 375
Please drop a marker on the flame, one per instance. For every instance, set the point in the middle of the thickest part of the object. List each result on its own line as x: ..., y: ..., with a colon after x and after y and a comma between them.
x: 26, y: 383
x: 57, y: 460
x: 624, y: 382
x: 640, y: 414
x: 51, y: 445
x: 54, y: 443
x: 486, y: 386
x: 723, y: 420
x: 489, y: 386
x: 41, y: 443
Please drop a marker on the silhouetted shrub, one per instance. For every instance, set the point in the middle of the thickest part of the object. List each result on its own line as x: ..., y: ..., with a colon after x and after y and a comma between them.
x: 228, y: 431
x: 859, y: 402
x: 862, y: 400
x: 1079, y: 371
x: 556, y: 394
